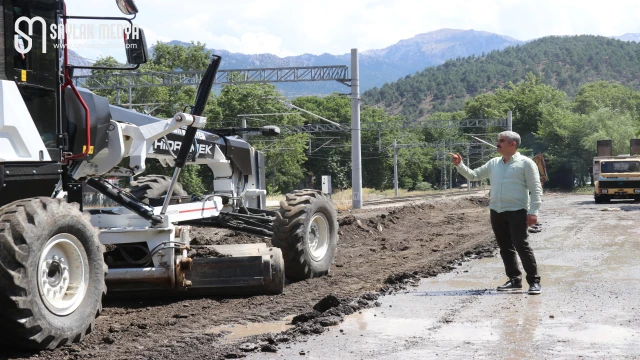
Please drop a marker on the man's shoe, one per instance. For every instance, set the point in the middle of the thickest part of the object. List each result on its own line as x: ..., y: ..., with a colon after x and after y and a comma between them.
x: 535, y: 289
x: 512, y: 284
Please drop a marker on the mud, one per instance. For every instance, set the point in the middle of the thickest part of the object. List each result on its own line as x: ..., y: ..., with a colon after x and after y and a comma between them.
x: 208, y: 236
x: 197, y: 252
x: 379, y: 253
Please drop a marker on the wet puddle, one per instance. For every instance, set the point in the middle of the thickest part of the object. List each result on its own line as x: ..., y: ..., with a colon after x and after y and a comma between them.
x: 483, y: 331
x: 591, y: 333
x: 369, y: 321
x: 238, y: 331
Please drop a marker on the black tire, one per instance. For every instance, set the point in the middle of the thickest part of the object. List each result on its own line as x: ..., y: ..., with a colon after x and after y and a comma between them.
x: 291, y: 233
x: 154, y: 186
x: 26, y: 226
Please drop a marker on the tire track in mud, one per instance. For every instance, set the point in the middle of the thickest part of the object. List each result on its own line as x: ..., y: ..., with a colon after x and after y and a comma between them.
x: 449, y: 316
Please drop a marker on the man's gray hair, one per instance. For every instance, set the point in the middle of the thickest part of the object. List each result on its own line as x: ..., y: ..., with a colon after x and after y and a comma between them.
x: 512, y: 136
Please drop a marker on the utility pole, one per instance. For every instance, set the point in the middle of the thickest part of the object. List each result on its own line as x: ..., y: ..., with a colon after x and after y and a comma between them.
x: 244, y: 125
x: 509, y: 121
x: 130, y: 99
x: 118, y: 97
x: 468, y: 156
x: 379, y: 139
x: 451, y: 151
x: 443, y: 173
x: 356, y: 167
x: 481, y: 160
x: 395, y: 167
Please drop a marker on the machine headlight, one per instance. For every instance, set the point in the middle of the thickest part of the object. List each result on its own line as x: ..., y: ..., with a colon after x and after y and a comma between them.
x: 604, y: 191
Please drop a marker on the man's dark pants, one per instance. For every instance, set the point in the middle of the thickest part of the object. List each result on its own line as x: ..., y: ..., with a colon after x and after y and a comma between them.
x: 510, y: 228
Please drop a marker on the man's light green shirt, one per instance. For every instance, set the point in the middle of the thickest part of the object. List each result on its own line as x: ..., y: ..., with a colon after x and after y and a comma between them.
x: 511, y: 183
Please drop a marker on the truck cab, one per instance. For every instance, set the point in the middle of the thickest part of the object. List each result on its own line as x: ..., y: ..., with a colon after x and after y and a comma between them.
x: 616, y: 177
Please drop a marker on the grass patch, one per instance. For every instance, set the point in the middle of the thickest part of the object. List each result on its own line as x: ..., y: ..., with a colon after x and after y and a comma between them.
x: 343, y: 199
x: 583, y: 190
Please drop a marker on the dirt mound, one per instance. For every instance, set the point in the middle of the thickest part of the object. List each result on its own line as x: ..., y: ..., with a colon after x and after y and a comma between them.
x: 209, y: 236
x: 346, y: 220
x: 205, y: 253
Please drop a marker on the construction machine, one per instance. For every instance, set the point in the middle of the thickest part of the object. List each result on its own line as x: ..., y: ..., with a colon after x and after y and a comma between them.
x: 616, y: 177
x: 542, y: 168
x: 58, y: 258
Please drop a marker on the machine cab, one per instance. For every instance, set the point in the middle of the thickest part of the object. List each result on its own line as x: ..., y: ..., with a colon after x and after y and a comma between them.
x: 35, y: 72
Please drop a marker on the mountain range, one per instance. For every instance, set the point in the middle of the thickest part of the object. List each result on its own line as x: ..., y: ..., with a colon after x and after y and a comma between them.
x: 566, y: 63
x: 379, y: 66
x: 628, y: 37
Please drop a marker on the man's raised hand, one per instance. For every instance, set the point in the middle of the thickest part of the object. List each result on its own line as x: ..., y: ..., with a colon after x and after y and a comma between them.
x: 455, y: 159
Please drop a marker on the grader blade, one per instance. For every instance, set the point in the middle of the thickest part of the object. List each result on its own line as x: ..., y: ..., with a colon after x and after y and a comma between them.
x: 234, y: 269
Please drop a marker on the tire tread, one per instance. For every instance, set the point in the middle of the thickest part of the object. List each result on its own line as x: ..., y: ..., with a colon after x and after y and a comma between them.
x: 289, y: 232
x: 19, y: 325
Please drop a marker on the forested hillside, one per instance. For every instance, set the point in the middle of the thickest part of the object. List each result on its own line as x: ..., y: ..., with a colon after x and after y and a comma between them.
x: 562, y: 62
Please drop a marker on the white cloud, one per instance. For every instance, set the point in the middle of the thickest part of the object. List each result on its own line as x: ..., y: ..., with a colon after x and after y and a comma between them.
x: 288, y: 27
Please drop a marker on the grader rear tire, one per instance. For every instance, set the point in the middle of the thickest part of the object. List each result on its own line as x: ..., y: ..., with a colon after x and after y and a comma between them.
x: 153, y: 186
x: 51, y: 274
x: 307, y: 234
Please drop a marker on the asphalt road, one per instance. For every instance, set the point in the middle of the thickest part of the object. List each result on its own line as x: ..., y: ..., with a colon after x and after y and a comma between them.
x: 589, y: 260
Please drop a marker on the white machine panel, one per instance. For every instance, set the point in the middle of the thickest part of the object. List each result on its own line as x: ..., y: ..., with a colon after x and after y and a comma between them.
x: 19, y: 137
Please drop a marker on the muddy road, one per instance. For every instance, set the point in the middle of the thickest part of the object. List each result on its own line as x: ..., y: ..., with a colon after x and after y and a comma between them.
x: 409, y: 282
x: 589, y: 260
x: 379, y: 250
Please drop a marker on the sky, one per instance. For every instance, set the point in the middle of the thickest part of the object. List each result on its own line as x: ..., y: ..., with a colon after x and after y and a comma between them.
x: 294, y: 27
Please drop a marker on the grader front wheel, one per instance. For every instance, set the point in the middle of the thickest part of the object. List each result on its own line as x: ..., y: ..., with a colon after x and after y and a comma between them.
x: 51, y: 274
x: 307, y: 234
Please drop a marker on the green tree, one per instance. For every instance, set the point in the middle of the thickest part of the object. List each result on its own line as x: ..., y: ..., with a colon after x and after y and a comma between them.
x: 284, y: 170
x: 524, y: 99
x: 602, y: 94
x: 609, y: 124
x: 179, y: 57
x: 164, y: 102
x: 330, y: 152
x: 100, y: 76
x: 571, y: 138
x: 285, y: 154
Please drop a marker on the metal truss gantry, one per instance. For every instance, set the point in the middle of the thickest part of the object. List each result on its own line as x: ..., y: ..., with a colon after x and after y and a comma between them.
x: 132, y: 80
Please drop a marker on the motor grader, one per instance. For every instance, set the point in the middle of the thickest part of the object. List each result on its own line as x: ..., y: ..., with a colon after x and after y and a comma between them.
x: 58, y: 258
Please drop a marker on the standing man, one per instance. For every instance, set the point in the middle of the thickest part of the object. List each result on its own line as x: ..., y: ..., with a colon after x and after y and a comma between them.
x: 513, y: 177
